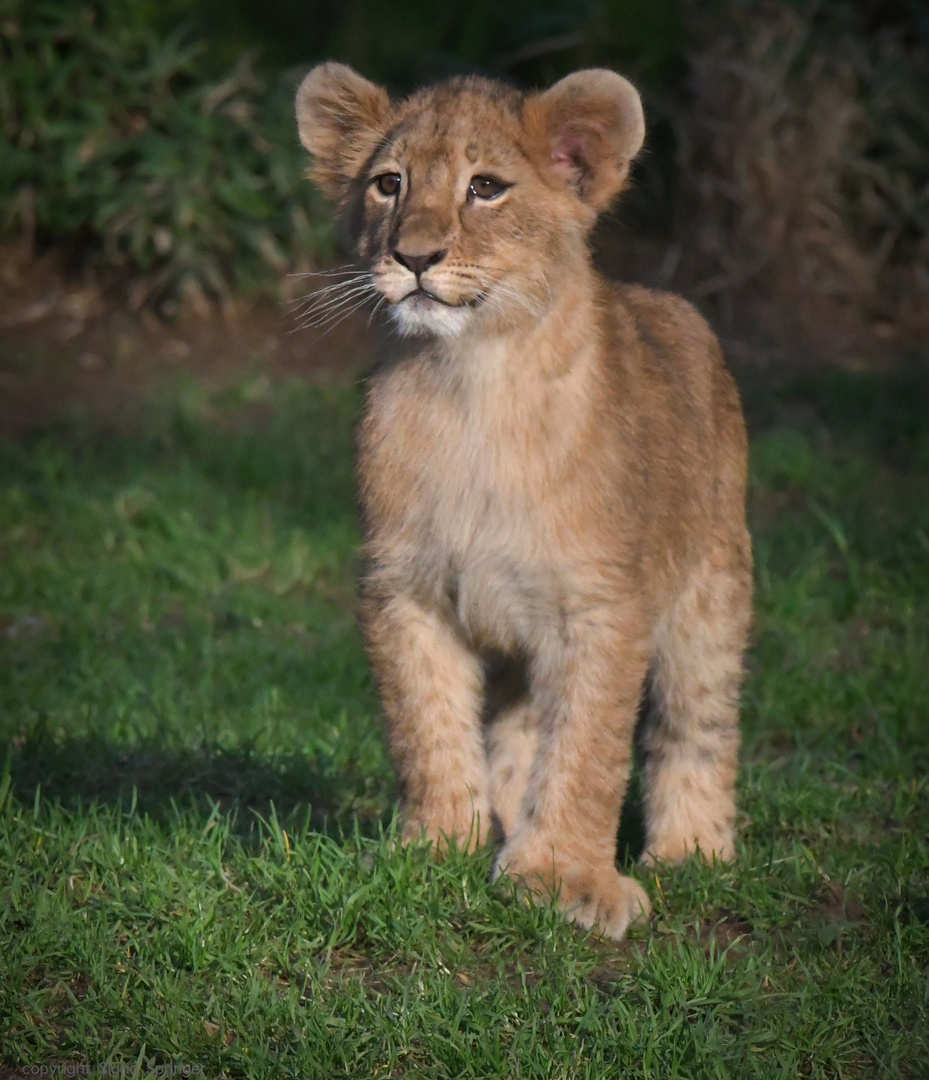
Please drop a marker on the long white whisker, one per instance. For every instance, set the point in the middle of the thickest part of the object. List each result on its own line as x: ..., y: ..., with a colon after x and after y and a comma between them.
x: 332, y: 314
x: 331, y: 272
x: 519, y: 303
x: 377, y: 307
x: 328, y: 289
x: 332, y: 325
x: 332, y: 303
x: 347, y: 278
x: 504, y: 290
x: 322, y: 296
x: 506, y: 310
x: 534, y: 306
x: 331, y: 309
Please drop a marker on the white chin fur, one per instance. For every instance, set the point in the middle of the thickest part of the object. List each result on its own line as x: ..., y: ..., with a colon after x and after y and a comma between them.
x: 418, y: 316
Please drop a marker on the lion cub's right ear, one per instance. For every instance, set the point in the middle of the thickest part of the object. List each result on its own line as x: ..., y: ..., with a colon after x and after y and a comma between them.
x: 341, y: 118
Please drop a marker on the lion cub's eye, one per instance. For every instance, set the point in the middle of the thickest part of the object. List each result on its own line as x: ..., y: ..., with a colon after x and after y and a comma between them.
x: 486, y: 187
x: 388, y: 183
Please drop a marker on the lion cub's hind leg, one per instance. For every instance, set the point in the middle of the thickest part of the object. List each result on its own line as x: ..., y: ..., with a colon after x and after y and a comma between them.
x: 512, y: 740
x: 691, y: 738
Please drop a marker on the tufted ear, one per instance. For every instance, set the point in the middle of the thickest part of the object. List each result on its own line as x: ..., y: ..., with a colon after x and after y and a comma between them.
x: 588, y: 128
x: 341, y: 117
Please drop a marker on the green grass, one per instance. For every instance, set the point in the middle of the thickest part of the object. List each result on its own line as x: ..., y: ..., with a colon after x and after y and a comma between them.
x: 196, y: 832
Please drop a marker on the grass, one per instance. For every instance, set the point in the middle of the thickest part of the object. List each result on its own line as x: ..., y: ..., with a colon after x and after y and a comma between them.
x: 196, y: 825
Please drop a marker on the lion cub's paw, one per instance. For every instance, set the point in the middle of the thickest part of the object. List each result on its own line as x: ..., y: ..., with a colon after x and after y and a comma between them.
x: 597, y: 898
x: 604, y: 900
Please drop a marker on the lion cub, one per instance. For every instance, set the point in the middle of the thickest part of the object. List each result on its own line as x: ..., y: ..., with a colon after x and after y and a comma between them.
x: 552, y: 481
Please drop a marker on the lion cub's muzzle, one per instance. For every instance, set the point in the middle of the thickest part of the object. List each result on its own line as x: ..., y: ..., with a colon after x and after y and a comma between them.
x: 418, y: 265
x: 422, y: 303
x: 425, y: 291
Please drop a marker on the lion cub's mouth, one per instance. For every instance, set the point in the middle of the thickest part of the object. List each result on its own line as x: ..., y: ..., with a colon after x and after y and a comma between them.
x: 421, y: 297
x: 421, y: 311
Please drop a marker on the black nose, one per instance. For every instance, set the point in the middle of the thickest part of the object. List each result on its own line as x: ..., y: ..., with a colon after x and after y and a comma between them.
x: 418, y: 264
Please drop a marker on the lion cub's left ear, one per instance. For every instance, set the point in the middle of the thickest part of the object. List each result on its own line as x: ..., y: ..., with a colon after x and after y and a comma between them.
x: 588, y: 128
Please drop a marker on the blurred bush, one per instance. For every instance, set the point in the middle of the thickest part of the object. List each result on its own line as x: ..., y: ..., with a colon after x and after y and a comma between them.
x: 114, y: 143
x: 803, y: 153
x: 788, y: 149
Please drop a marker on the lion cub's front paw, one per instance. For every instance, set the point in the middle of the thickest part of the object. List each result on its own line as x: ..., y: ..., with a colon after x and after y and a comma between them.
x: 593, y: 897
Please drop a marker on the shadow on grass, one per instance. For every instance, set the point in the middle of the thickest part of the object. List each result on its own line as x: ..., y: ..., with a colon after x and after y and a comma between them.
x: 155, y: 780
x: 200, y: 547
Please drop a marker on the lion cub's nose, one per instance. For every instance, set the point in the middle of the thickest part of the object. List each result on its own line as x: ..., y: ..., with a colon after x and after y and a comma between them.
x: 418, y: 264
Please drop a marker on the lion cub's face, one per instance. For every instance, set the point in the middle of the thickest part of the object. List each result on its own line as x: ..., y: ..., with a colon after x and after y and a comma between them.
x: 468, y: 201
x: 455, y: 220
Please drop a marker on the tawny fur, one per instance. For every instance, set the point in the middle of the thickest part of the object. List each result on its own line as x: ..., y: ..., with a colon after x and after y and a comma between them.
x: 552, y: 479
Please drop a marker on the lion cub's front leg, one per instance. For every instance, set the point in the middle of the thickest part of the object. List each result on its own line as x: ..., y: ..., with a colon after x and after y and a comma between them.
x: 430, y: 686
x: 564, y: 840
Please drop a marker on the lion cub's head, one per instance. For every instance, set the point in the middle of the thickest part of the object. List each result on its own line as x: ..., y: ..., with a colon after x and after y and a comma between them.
x: 469, y: 202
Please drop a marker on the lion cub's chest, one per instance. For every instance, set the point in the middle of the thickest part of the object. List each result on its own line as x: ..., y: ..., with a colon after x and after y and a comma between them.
x: 462, y: 496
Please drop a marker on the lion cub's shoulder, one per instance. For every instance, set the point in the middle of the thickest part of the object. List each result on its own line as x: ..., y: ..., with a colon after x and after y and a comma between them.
x: 665, y: 365
x: 665, y: 322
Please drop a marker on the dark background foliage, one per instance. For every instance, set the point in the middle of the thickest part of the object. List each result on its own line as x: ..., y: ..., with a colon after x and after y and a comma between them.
x: 788, y: 148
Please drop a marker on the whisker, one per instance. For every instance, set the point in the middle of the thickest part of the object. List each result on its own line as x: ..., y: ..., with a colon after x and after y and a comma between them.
x: 321, y: 295
x: 333, y: 313
x: 320, y: 301
x: 536, y: 306
x: 320, y: 322
x: 377, y: 307
x: 348, y: 280
x: 332, y: 325
x: 503, y: 290
x: 331, y: 272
